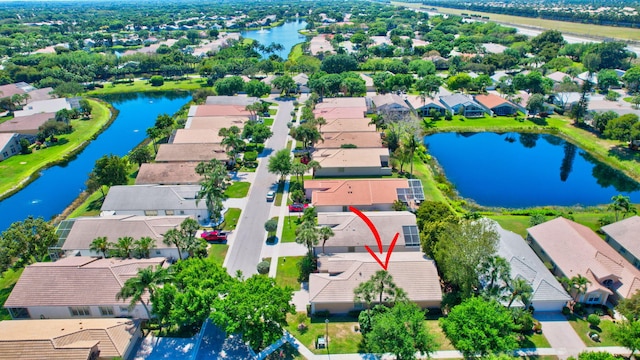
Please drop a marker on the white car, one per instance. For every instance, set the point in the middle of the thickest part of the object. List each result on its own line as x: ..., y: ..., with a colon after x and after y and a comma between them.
x: 271, y: 195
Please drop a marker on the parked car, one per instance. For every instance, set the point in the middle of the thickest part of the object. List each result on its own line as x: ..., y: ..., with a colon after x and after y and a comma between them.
x: 271, y: 195
x: 297, y: 207
x: 214, y: 236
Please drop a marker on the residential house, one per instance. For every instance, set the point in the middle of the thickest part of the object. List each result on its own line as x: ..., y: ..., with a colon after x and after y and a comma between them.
x: 548, y: 293
x: 81, y: 339
x: 424, y: 106
x: 215, y: 123
x: 361, y: 124
x: 352, y: 162
x: 154, y: 200
x: 332, y: 113
x: 492, y: 48
x: 77, y: 287
x: 231, y: 100
x: 302, y: 81
x: 44, y: 106
x: 343, y: 139
x: 343, y: 102
x: 9, y: 145
x: 352, y: 234
x: 499, y: 106
x: 624, y: 237
x: 364, y: 194
x: 558, y: 76
x: 196, y: 136
x: 319, y: 44
x: 331, y: 289
x: 85, y: 229
x: 573, y: 249
x: 220, y: 110
x: 391, y: 105
x: 462, y: 105
x: 173, y: 173
x: 26, y: 125
x: 193, y: 152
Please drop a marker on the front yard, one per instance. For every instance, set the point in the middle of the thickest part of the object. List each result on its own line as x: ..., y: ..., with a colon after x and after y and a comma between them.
x: 289, y: 228
x: 287, y: 273
x: 238, y: 189
x: 605, y: 330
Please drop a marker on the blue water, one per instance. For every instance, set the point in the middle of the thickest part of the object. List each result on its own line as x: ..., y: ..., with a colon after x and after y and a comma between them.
x: 523, y: 170
x: 286, y: 35
x: 58, y: 186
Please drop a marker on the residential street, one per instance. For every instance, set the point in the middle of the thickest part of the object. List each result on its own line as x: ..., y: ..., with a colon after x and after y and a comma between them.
x: 246, y: 245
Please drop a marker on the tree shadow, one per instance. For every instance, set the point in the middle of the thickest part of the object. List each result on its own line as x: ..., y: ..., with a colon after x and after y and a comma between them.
x: 624, y: 153
x: 58, y: 142
x: 96, y: 204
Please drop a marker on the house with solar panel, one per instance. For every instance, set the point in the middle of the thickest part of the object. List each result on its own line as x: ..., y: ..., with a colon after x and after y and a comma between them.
x: 353, y: 235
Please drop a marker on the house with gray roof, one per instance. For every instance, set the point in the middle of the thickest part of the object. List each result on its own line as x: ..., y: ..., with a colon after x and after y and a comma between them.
x: 154, y: 200
x: 77, y: 287
x: 44, y: 106
x: 85, y: 229
x: 624, y: 237
x: 191, y: 152
x: 26, y: 125
x: 548, y: 293
x: 9, y: 145
x: 231, y: 100
x: 391, y: 105
x: 463, y: 105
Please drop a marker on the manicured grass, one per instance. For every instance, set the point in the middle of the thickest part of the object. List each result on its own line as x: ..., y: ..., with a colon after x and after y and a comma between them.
x: 144, y: 85
x: 268, y: 121
x: 90, y: 207
x: 289, y: 229
x: 605, y: 330
x: 422, y: 172
x: 515, y: 223
x: 563, y: 26
x: 238, y: 189
x: 218, y: 252
x: 342, y: 337
x: 441, y: 339
x: 7, y: 281
x: 272, y: 111
x: 19, y: 168
x: 287, y: 273
x: 279, y: 193
x: 289, y: 144
x: 296, y: 52
x: 231, y: 218
x: 534, y: 340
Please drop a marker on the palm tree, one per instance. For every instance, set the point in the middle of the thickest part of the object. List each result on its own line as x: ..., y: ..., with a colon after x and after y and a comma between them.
x: 174, y: 237
x: 383, y: 285
x: 520, y: 290
x: 621, y: 203
x: 298, y: 169
x: 319, y: 122
x: 124, y: 246
x: 142, y: 247
x: 232, y: 141
x: 325, y: 234
x: 496, y: 273
x: 307, y: 234
x: 100, y: 244
x: 213, y: 186
x: 411, y: 142
x: 147, y: 280
x: 579, y: 284
x: 314, y: 166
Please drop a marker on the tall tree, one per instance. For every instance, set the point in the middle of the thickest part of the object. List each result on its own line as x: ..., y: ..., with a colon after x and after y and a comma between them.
x: 495, y: 276
x: 147, y: 280
x: 232, y: 141
x: 100, y: 244
x: 380, y: 287
x: 25, y: 242
x: 109, y: 170
x: 124, y: 246
x: 325, y: 234
x: 520, y: 290
x: 212, y: 187
x: 478, y: 327
x: 140, y: 155
x: 280, y: 163
x: 285, y: 83
x: 142, y: 247
x: 622, y: 204
x: 307, y: 234
x: 175, y: 238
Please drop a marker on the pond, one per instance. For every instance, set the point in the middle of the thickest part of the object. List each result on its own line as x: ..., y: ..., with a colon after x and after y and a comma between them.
x: 58, y: 186
x: 286, y: 35
x: 517, y: 170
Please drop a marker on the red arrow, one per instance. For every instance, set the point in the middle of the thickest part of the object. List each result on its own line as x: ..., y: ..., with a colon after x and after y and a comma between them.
x: 378, y: 240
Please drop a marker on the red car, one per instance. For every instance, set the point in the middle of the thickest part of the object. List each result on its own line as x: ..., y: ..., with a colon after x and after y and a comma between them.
x: 214, y: 236
x: 297, y: 207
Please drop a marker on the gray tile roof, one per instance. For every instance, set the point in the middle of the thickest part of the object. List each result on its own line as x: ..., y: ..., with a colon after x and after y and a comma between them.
x: 350, y: 230
x: 626, y: 233
x: 526, y: 264
x: 152, y: 197
x: 456, y: 99
x: 231, y: 100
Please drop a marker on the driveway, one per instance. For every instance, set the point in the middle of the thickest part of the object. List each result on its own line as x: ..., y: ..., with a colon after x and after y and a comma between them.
x: 244, y: 251
x: 560, y: 334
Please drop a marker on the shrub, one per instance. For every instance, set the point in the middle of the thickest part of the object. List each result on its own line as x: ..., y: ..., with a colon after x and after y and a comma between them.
x: 250, y: 156
x: 348, y: 146
x: 157, y: 80
x: 305, y: 266
x: 263, y: 267
x: 322, y: 314
x: 612, y: 96
x: 566, y: 311
x: 593, y: 320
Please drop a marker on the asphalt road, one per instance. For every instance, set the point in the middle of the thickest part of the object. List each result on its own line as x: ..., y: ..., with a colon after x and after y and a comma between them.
x: 244, y: 252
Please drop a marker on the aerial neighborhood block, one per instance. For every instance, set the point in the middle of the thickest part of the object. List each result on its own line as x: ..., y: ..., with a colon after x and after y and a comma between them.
x: 352, y: 162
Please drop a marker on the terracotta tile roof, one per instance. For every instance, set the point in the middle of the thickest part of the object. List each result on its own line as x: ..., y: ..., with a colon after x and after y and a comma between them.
x: 66, y: 338
x: 220, y: 110
x: 190, y: 152
x: 84, y: 230
x: 416, y: 101
x: 63, y: 283
x: 348, y: 124
x: 360, y: 139
x: 215, y: 122
x: 558, y: 76
x: 196, y: 136
x: 491, y: 101
x: 347, y: 271
x: 626, y: 233
x: 330, y: 113
x: 357, y: 192
x: 342, y: 102
x: 576, y: 249
x: 26, y: 124
x: 174, y: 173
x: 350, y: 230
x: 371, y: 157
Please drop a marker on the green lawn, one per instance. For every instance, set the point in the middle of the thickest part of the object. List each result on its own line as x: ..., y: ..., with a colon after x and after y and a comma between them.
x: 515, y: 223
x: 342, y: 337
x: 144, y: 85
x: 439, y: 336
x: 296, y: 52
x: 90, y: 207
x: 534, y: 340
x: 605, y: 330
x: 218, y: 252
x: 268, y: 121
x: 238, y: 189
x: 287, y: 273
x: 231, y: 218
x: 289, y: 229
x: 279, y: 192
x: 19, y: 168
x: 7, y: 281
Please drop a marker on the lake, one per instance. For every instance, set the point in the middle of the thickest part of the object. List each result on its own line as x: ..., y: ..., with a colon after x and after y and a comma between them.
x: 58, y: 186
x: 286, y: 35
x: 523, y: 170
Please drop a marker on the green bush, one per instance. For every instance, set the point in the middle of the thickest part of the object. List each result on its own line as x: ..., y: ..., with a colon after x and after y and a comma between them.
x: 566, y: 311
x: 250, y: 156
x: 263, y: 267
x: 593, y: 320
x: 156, y: 80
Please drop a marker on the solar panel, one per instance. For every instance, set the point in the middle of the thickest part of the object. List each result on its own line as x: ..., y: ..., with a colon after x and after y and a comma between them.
x: 63, y: 230
x: 418, y: 190
x: 411, y: 235
x: 404, y: 194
